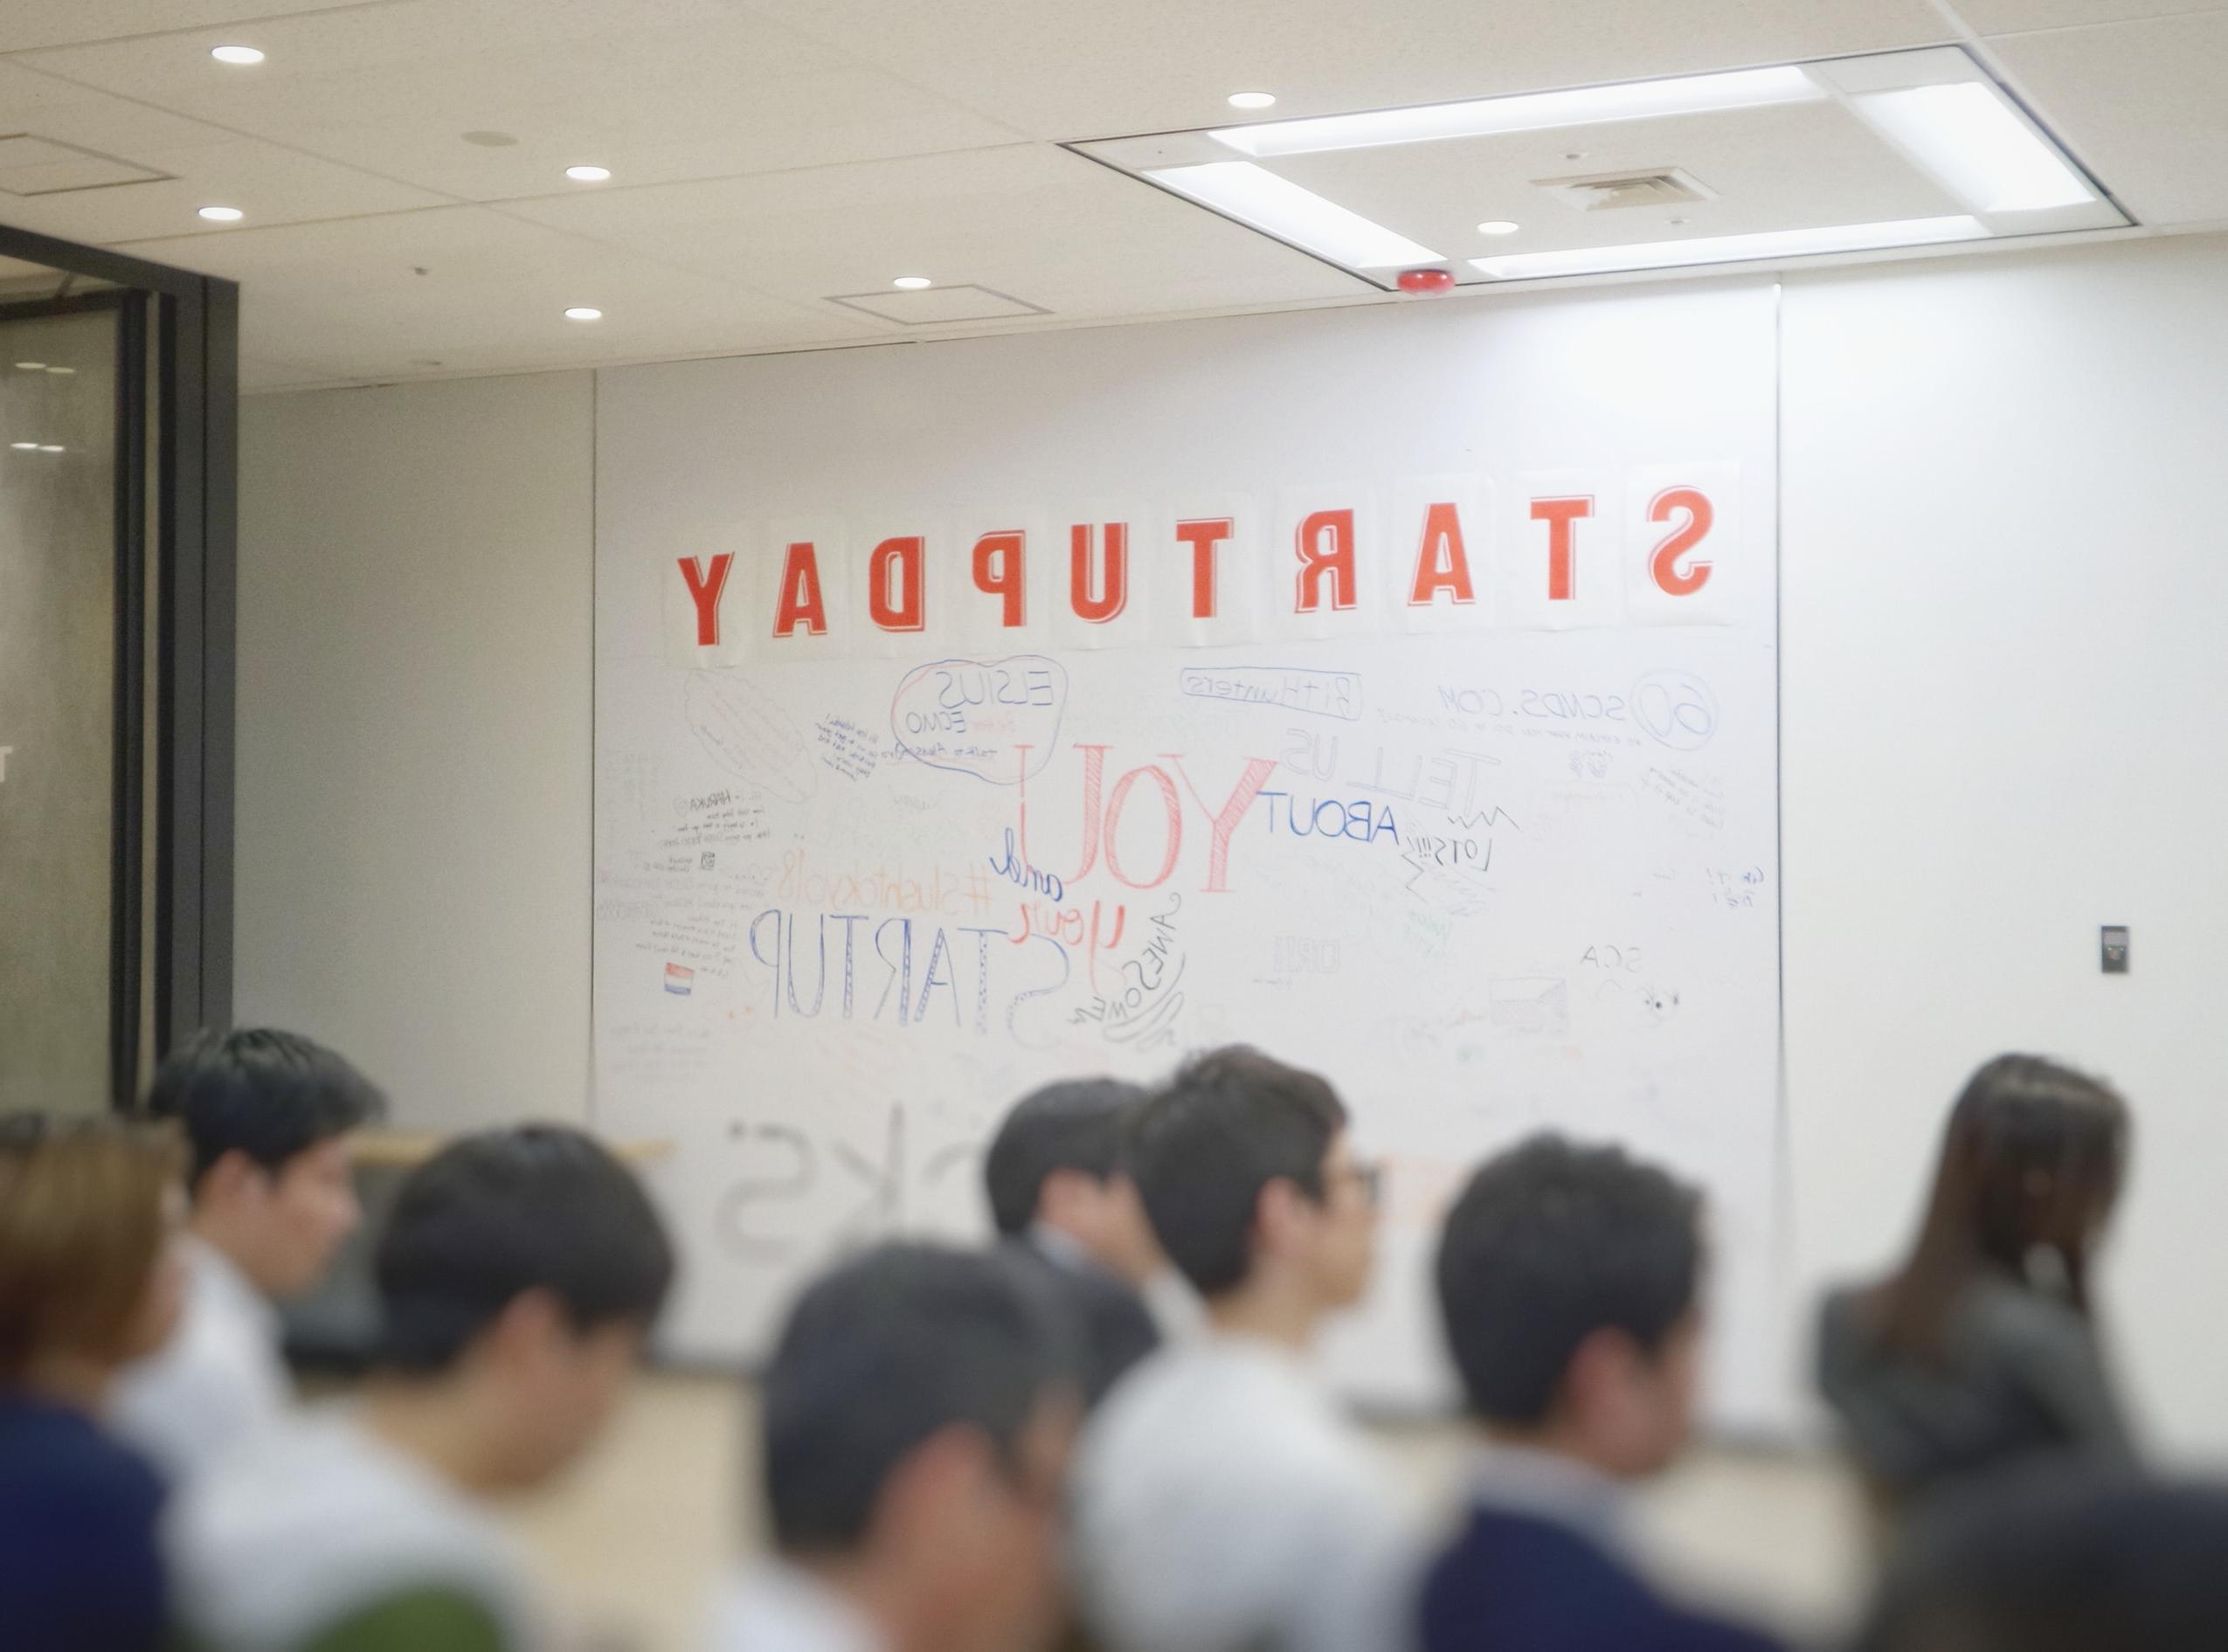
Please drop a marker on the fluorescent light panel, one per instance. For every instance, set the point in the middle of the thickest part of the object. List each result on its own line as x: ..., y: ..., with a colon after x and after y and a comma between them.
x: 1976, y: 147
x: 1727, y: 249
x: 1526, y: 112
x: 1260, y: 197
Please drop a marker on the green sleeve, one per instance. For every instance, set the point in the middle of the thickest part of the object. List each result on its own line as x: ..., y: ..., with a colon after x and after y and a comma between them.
x: 434, y: 1620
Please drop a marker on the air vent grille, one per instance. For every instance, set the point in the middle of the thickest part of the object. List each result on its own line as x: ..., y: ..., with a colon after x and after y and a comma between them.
x: 1613, y: 191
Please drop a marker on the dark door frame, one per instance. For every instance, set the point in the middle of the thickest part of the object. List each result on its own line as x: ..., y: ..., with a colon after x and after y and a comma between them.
x: 186, y: 325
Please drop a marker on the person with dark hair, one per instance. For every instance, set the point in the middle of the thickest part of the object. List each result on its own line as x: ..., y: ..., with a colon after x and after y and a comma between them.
x: 1221, y: 1503
x: 1981, y: 1348
x: 1567, y: 1278
x: 2058, y: 1555
x: 519, y: 1276
x: 267, y: 1117
x: 916, y: 1425
x: 89, y: 1279
x: 1062, y: 1196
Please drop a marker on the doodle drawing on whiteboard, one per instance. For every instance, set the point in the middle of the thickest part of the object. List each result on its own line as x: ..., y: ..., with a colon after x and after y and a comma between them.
x: 749, y: 735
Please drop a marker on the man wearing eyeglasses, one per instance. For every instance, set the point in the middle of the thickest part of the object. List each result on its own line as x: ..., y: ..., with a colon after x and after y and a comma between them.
x: 1221, y: 1503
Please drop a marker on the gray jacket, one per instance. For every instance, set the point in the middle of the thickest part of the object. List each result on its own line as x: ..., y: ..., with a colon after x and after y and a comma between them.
x: 2021, y: 1373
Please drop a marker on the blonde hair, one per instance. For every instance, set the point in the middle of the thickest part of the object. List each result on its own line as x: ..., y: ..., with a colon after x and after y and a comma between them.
x: 82, y: 1229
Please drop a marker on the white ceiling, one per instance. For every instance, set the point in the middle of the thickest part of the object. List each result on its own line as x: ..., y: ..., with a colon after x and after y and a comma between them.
x: 772, y: 156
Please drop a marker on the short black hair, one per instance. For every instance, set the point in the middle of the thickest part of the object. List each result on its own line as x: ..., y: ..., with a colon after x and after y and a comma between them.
x: 495, y: 1216
x: 1204, y: 1146
x: 1075, y: 1126
x: 883, y: 1352
x: 1550, y: 1243
x: 2060, y: 1557
x: 270, y: 1095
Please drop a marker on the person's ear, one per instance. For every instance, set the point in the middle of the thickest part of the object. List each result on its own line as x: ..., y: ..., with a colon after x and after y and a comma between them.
x: 531, y: 1325
x: 1282, y: 1216
x: 934, y: 1481
x: 232, y: 1177
x: 1598, y: 1381
x: 1063, y: 1195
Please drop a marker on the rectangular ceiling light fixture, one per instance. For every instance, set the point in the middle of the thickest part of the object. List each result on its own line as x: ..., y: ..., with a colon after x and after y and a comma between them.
x: 1526, y: 112
x: 1731, y: 249
x: 1976, y: 146
x: 1257, y: 196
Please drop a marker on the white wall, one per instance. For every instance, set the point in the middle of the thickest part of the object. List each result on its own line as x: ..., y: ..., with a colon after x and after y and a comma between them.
x: 415, y: 574
x: 2001, y: 579
x: 2004, y: 696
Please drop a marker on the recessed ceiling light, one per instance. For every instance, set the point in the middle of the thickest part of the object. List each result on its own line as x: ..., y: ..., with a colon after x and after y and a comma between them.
x: 583, y: 313
x: 24, y: 447
x: 1252, y: 100
x: 236, y: 54
x: 31, y: 366
x: 223, y: 214
x: 1254, y: 194
x: 1973, y: 143
x: 51, y: 447
x: 911, y: 283
x: 587, y: 174
x: 1498, y: 226
x: 1731, y: 249
x: 1527, y: 112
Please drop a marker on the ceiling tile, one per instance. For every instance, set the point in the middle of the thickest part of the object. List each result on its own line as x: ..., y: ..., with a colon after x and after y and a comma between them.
x: 655, y: 90
x: 346, y: 298
x: 1029, y: 220
x: 2144, y: 105
x: 1072, y: 69
x: 25, y: 24
x: 39, y: 166
x: 205, y: 166
x: 939, y: 306
x: 2013, y: 17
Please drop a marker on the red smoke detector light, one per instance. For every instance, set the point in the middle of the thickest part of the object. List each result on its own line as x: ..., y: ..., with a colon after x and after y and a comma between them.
x: 1425, y: 283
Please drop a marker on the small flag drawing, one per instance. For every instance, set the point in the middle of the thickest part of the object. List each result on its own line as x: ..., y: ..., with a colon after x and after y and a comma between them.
x: 679, y: 979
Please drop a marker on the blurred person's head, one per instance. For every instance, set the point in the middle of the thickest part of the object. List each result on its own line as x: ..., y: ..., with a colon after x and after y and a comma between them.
x: 1568, y: 1280
x: 1252, y: 1184
x: 266, y: 1116
x: 2061, y: 1558
x: 519, y: 1276
x: 89, y: 1280
x: 917, y: 1416
x: 1058, y: 1162
x: 2032, y: 1164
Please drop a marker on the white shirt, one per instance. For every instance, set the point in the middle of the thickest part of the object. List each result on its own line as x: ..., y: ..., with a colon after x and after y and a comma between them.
x: 1175, y: 1307
x: 1543, y: 1485
x: 773, y: 1606
x: 1221, y: 1503
x: 316, y: 1519
x: 218, y: 1381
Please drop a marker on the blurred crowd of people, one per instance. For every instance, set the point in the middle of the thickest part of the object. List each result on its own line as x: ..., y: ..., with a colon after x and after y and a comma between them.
x: 1103, y: 1430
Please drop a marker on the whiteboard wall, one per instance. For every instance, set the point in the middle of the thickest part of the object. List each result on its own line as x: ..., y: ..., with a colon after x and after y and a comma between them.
x: 1492, y: 865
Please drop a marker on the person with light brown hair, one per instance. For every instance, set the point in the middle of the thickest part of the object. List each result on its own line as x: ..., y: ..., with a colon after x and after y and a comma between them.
x: 89, y: 1281
x: 1981, y: 1349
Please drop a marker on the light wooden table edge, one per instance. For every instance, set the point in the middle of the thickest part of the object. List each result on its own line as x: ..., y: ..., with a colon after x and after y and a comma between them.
x: 405, y: 1149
